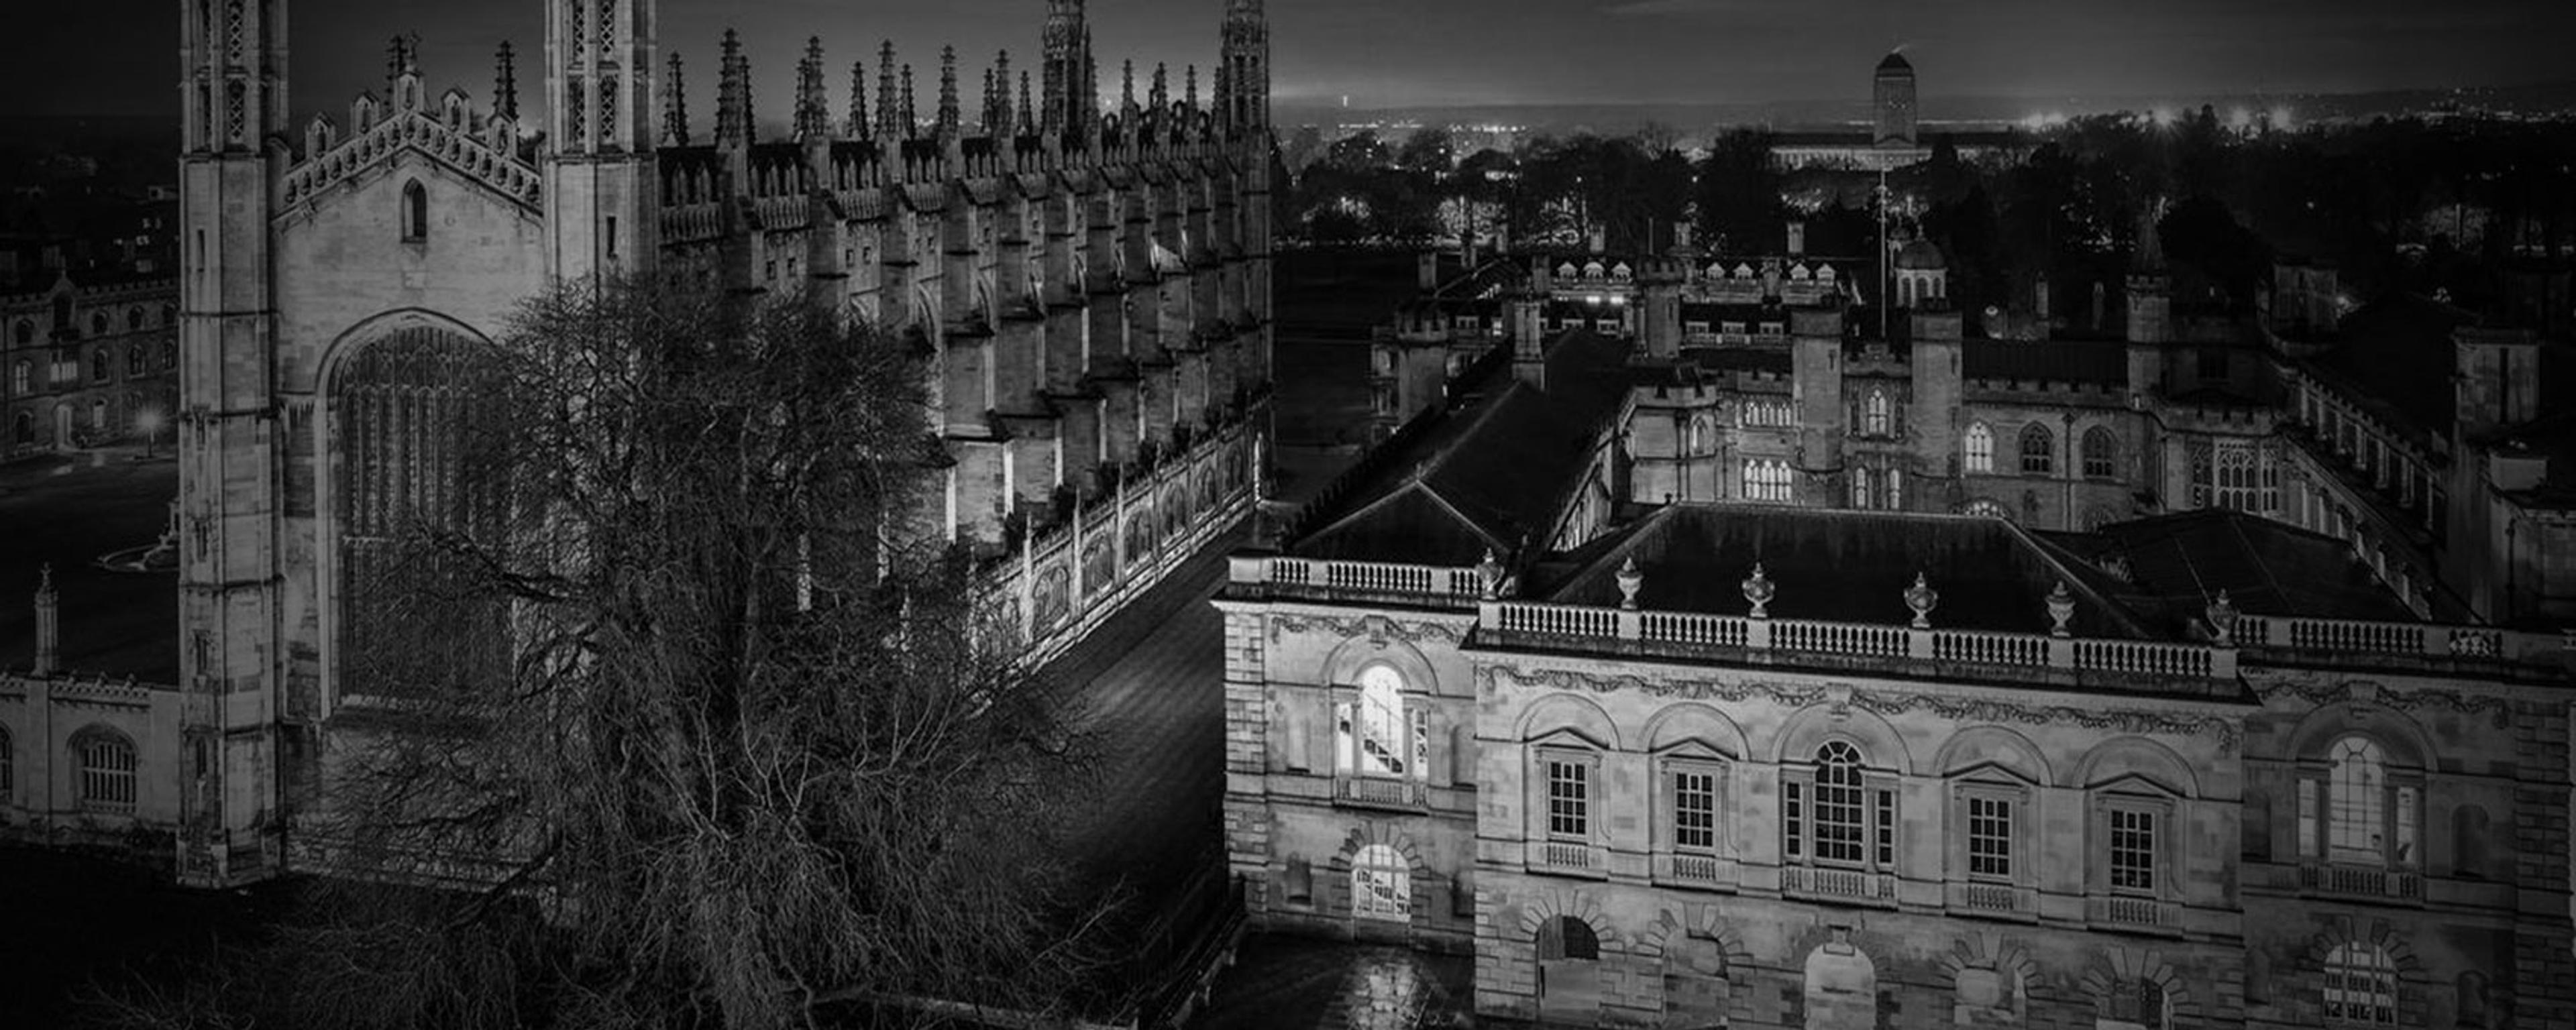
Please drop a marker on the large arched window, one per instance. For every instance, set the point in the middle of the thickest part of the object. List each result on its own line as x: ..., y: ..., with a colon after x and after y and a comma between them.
x: 105, y: 761
x: 2099, y: 452
x: 415, y: 212
x: 1381, y: 884
x: 2038, y: 450
x: 1767, y: 481
x: 1378, y: 734
x: 1839, y: 823
x: 2354, y: 798
x: 1566, y: 938
x: 2360, y: 986
x: 409, y: 416
x: 1981, y: 448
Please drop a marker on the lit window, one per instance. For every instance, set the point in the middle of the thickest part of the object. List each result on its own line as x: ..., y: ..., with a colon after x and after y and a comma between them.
x: 1381, y: 884
x: 106, y: 771
x: 2360, y: 986
x: 1986, y: 509
x: 1766, y: 481
x: 1981, y: 448
x: 2356, y: 795
x: 1894, y: 496
x: 1874, y: 417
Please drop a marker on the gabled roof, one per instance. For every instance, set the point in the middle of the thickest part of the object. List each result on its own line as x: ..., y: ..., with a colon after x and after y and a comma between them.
x: 1489, y: 474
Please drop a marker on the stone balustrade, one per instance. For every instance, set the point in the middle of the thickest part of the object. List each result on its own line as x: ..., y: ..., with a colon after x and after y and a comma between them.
x: 2327, y: 638
x: 2349, y: 880
x: 1567, y: 858
x: 1852, y: 885
x: 2133, y: 912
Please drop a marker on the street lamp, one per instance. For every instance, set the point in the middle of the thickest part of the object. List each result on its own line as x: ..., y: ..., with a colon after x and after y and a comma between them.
x: 149, y: 420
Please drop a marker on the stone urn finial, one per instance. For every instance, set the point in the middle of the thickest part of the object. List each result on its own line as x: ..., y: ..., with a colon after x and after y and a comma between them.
x: 2061, y: 607
x: 2222, y: 620
x: 1630, y: 580
x: 1489, y: 573
x: 1922, y: 599
x: 1759, y: 591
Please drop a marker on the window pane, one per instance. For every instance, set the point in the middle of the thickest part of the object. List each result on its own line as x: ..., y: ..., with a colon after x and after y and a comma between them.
x: 1990, y: 837
x: 1695, y: 811
x: 2133, y: 850
x: 1567, y: 783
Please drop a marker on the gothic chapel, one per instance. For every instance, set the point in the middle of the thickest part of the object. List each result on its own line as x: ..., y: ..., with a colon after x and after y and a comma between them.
x: 1093, y: 278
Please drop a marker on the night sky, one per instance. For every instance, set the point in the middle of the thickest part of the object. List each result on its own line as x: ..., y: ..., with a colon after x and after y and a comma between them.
x: 118, y: 56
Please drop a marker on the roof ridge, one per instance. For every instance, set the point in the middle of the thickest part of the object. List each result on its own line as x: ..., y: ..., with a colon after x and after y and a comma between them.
x: 2049, y: 554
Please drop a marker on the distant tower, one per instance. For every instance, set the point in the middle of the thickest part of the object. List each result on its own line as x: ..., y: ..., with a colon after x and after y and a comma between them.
x: 1243, y: 79
x: 599, y: 139
x: 1893, y: 98
x: 230, y: 595
x: 2150, y: 288
x: 1072, y: 88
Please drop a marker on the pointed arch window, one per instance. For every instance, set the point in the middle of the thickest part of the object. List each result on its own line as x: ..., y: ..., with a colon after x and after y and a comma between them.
x: 1874, y: 414
x: 1981, y: 448
x: 415, y: 212
x: 2099, y: 449
x: 2038, y: 450
x: 105, y: 760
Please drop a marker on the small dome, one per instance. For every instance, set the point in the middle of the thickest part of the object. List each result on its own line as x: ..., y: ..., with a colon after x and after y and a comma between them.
x: 1895, y: 62
x: 1921, y: 256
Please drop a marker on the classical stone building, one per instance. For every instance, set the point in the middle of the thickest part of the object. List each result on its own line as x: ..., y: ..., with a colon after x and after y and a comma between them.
x: 1753, y: 764
x: 1893, y: 136
x: 88, y: 363
x: 1094, y: 285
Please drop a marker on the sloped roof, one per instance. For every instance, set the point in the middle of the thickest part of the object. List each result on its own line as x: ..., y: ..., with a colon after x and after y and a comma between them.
x: 2178, y: 562
x: 1488, y: 474
x: 1842, y: 566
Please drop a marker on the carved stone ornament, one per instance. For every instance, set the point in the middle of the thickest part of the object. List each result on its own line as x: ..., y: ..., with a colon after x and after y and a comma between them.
x: 2222, y: 620
x: 1378, y: 628
x: 1759, y: 591
x: 2061, y: 607
x: 1921, y: 599
x: 1630, y: 581
x: 1489, y: 573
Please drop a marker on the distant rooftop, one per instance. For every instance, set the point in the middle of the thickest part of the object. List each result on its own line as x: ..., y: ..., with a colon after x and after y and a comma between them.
x: 2176, y: 563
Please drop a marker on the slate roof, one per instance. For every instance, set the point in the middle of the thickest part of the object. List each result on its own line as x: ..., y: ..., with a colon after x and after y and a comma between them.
x: 2394, y: 357
x: 1842, y: 566
x: 2067, y: 361
x: 1486, y: 475
x: 2176, y: 563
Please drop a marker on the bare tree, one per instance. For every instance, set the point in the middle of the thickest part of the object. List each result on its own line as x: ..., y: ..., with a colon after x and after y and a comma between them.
x: 750, y: 751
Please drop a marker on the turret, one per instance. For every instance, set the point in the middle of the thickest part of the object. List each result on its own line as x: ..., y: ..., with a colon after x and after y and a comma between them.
x: 813, y: 105
x: 675, y: 105
x: 891, y: 131
x: 600, y: 115
x: 1243, y: 80
x: 1072, y: 90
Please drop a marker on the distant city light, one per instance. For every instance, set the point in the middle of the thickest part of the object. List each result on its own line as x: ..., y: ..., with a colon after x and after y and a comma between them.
x: 2162, y: 116
x: 2280, y: 117
x: 2240, y: 118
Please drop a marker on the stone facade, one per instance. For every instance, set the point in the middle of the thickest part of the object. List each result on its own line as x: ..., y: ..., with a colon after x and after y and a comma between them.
x: 1094, y: 285
x: 83, y: 365
x: 2430, y: 890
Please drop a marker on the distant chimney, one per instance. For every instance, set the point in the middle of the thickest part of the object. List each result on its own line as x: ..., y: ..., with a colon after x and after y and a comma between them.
x: 48, y: 625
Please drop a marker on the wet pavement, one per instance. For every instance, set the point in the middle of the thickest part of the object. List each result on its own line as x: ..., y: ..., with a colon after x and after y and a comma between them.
x: 1300, y: 983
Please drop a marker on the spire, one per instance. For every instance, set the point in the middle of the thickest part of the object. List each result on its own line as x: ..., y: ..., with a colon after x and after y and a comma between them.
x: 1190, y: 86
x: 734, y: 129
x: 948, y: 111
x: 1161, y: 96
x: 1027, y: 112
x: 813, y: 107
x: 505, y: 82
x: 675, y: 106
x: 1005, y: 121
x: 858, y: 121
x: 889, y: 130
x: 991, y: 115
x: 1127, y: 91
x: 911, y: 114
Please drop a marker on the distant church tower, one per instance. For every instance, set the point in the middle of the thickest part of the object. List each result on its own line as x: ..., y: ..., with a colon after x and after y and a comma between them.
x: 600, y: 159
x: 1893, y: 98
x: 229, y: 439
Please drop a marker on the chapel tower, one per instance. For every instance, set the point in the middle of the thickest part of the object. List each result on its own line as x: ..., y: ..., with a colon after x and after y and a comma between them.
x: 1892, y: 97
x: 233, y: 81
x: 599, y: 120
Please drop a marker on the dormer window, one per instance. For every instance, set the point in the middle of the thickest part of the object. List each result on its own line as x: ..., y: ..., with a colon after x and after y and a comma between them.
x: 415, y: 212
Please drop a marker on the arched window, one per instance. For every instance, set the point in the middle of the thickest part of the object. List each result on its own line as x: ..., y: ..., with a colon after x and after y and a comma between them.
x: 1860, y: 488
x: 1766, y: 481
x: 2139, y: 1004
x: 2360, y: 986
x: 98, y: 415
x: 23, y: 333
x: 21, y: 377
x: 415, y: 212
x: 1839, y: 823
x: 1566, y: 938
x: 2354, y: 798
x: 1874, y: 416
x: 1984, y: 508
x: 134, y: 319
x: 2038, y: 450
x: 23, y: 431
x: 1981, y: 448
x: 1378, y: 735
x: 1894, y: 496
x: 134, y: 360
x: 106, y: 767
x: 2098, y: 450
x: 98, y: 364
x: 98, y: 323
x: 1381, y: 884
